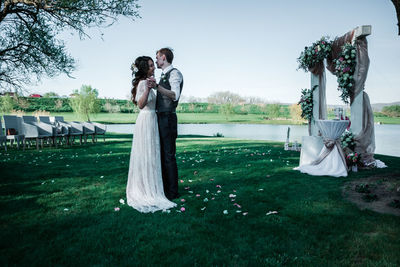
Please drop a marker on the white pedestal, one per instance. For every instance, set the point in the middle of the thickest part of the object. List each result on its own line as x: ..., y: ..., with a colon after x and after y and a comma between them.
x: 311, y: 146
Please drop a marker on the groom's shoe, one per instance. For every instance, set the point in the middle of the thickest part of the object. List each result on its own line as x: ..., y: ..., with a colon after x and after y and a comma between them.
x: 174, y: 197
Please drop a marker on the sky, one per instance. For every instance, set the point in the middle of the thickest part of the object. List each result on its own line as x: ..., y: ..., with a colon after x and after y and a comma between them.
x: 246, y: 47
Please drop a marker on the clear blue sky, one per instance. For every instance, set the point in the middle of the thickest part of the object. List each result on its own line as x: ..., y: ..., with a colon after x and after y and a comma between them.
x: 246, y: 47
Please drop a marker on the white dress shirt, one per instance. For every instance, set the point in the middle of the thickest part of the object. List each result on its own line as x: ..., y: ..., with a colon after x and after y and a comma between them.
x: 175, y: 79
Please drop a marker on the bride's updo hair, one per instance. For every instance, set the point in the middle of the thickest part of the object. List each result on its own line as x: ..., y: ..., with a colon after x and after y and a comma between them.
x: 140, y: 70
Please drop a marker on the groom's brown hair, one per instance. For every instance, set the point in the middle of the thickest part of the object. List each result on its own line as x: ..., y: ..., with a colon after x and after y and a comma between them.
x: 167, y: 52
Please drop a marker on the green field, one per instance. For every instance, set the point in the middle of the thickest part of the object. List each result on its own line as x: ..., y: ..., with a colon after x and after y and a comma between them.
x: 112, y: 118
x: 57, y: 209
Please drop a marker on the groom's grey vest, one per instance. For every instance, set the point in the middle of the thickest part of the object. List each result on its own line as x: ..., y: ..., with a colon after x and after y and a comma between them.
x: 164, y: 103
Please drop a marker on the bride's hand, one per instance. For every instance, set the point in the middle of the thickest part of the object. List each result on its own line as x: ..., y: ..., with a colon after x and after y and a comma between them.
x: 151, y: 82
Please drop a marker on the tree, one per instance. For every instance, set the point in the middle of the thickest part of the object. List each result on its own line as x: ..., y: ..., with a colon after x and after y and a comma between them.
x: 226, y: 109
x: 6, y: 104
x: 85, y: 102
x: 396, y: 4
x: 391, y: 111
x: 273, y: 110
x: 224, y: 98
x: 295, y: 112
x: 29, y: 48
x: 51, y: 94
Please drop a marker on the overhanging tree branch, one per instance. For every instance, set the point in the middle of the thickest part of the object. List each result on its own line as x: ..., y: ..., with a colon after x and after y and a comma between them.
x: 29, y: 48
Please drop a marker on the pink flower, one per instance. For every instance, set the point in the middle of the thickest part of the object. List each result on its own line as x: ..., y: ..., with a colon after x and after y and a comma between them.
x: 183, y: 209
x: 237, y: 205
x: 181, y: 181
x: 197, y: 195
x: 116, y: 209
x: 211, y: 179
x: 183, y: 200
x: 341, y: 59
x: 218, y: 186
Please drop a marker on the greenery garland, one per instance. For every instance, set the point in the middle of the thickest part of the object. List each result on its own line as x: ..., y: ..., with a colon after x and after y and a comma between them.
x: 344, y: 70
x: 315, y: 53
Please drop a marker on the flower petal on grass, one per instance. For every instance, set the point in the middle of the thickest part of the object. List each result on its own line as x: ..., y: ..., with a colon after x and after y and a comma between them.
x: 225, y: 212
x: 271, y: 212
x: 232, y: 195
x: 245, y: 213
x: 116, y: 209
x: 203, y: 208
x: 205, y: 200
x: 122, y: 201
x: 183, y: 209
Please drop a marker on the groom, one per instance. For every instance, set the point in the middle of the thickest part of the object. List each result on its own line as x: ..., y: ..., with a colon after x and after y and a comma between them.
x: 168, y: 92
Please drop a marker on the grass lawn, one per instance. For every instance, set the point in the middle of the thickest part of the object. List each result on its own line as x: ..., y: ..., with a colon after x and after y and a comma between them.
x: 57, y: 208
x: 111, y: 118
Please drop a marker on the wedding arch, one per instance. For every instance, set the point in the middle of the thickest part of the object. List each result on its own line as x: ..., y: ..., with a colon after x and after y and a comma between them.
x: 329, y: 55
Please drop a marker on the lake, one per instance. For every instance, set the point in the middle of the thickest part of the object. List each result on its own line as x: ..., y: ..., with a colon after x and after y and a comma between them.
x: 386, y: 135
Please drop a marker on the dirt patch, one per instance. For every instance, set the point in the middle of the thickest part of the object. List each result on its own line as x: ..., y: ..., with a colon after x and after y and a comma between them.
x: 377, y: 193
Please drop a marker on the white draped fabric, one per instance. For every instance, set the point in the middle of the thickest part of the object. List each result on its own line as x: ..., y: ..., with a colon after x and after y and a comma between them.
x: 144, y: 190
x: 330, y: 160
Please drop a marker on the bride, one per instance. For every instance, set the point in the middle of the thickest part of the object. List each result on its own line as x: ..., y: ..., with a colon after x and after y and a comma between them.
x: 144, y: 190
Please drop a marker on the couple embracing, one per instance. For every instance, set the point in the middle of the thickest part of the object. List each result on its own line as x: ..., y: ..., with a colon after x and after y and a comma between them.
x: 153, y: 172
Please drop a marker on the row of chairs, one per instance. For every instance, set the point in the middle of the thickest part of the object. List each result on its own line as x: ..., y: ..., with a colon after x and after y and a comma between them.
x: 52, y: 130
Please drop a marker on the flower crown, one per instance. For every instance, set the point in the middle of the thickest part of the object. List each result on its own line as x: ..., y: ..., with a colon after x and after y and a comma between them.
x: 134, y: 69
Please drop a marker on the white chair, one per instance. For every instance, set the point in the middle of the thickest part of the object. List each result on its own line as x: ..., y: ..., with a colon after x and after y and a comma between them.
x: 11, y: 123
x: 3, y: 138
x: 88, y: 129
x: 45, y: 130
x: 100, y: 129
x: 74, y: 129
x: 59, y: 130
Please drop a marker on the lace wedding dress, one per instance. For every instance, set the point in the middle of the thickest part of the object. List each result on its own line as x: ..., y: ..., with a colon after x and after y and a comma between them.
x: 144, y: 190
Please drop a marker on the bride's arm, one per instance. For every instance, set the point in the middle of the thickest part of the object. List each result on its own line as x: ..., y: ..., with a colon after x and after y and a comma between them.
x: 142, y: 102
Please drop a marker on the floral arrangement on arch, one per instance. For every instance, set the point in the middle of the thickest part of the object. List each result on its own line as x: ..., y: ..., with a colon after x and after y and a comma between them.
x: 306, y: 103
x: 352, y: 158
x: 344, y: 70
x: 347, y: 140
x: 315, y: 53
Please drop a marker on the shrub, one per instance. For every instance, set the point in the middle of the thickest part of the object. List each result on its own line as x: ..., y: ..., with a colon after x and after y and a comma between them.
x: 392, y: 111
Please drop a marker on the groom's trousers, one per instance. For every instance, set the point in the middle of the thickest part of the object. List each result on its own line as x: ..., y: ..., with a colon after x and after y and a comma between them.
x: 167, y: 125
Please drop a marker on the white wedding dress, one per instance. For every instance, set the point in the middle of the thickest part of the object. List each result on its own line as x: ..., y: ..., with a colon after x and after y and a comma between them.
x: 144, y: 190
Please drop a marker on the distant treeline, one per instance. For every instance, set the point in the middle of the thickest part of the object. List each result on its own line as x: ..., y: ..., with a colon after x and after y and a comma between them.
x: 52, y: 104
x: 55, y: 104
